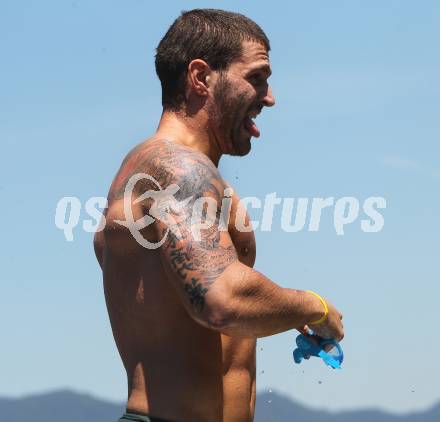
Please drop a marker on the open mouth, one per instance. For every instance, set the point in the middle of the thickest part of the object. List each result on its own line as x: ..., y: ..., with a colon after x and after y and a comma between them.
x: 250, y: 125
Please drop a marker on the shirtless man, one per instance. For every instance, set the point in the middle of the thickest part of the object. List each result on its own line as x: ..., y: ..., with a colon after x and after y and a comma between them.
x: 186, y: 315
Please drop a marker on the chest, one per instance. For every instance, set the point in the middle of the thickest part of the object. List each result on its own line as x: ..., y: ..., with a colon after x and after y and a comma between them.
x: 241, y: 232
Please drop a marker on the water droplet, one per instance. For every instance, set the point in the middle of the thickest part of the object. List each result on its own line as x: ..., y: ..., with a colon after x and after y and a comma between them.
x: 319, y: 382
x: 270, y: 391
x: 269, y: 401
x: 262, y: 372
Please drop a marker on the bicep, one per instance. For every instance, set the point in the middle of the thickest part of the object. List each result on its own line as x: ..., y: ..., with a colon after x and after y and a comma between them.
x: 194, y: 264
x: 196, y: 248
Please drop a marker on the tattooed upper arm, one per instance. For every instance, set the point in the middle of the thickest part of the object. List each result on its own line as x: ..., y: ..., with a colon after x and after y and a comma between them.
x: 197, y: 247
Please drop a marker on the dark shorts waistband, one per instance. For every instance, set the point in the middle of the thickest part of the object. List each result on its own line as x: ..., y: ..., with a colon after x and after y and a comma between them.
x: 135, y: 417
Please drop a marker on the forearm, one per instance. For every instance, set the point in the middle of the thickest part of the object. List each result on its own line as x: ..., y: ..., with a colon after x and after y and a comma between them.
x: 258, y: 307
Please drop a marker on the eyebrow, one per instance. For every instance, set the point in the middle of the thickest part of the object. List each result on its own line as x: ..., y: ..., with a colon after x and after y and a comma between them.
x: 265, y: 68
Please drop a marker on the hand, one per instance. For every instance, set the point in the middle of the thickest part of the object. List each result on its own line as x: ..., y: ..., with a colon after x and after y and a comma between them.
x: 331, y: 328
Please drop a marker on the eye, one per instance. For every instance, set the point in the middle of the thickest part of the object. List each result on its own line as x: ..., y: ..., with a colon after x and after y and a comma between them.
x: 256, y: 79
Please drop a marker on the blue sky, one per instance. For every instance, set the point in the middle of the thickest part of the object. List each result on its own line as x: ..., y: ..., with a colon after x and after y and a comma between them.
x: 357, y: 108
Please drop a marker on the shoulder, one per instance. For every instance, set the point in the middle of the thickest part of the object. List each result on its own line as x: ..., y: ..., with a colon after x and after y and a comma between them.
x: 170, y: 163
x: 175, y: 158
x: 159, y: 163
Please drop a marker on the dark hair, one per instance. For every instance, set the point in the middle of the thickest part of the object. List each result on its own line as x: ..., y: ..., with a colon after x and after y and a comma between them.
x: 212, y: 35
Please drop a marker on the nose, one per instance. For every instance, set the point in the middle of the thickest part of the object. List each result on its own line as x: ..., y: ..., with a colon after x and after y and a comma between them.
x: 269, y: 99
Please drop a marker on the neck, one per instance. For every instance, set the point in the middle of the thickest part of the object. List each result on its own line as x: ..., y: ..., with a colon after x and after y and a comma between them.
x: 191, y: 131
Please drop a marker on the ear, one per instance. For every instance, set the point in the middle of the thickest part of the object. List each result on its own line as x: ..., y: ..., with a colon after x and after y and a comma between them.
x: 199, y: 77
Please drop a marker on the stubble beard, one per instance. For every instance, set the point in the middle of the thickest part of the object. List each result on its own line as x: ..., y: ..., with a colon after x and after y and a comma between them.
x: 229, y: 117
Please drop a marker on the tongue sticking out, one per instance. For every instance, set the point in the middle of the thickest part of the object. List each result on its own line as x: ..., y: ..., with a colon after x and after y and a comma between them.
x: 251, y: 127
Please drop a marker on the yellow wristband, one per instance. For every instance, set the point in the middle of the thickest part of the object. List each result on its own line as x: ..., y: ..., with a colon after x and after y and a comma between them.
x: 324, y: 317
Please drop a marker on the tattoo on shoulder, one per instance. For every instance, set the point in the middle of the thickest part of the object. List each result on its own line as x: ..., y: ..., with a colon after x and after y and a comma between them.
x: 198, y: 263
x: 168, y: 163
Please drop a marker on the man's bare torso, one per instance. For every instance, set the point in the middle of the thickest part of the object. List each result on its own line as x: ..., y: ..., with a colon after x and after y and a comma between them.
x: 176, y: 368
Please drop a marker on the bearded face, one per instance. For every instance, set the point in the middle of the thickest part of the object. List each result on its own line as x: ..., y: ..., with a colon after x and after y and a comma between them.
x: 239, y: 94
x: 235, y: 104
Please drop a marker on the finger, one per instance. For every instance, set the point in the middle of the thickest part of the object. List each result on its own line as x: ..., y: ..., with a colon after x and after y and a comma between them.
x: 329, y: 347
x: 304, y: 330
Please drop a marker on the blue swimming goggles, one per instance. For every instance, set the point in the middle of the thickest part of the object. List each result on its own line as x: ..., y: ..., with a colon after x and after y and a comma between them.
x: 328, y: 350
